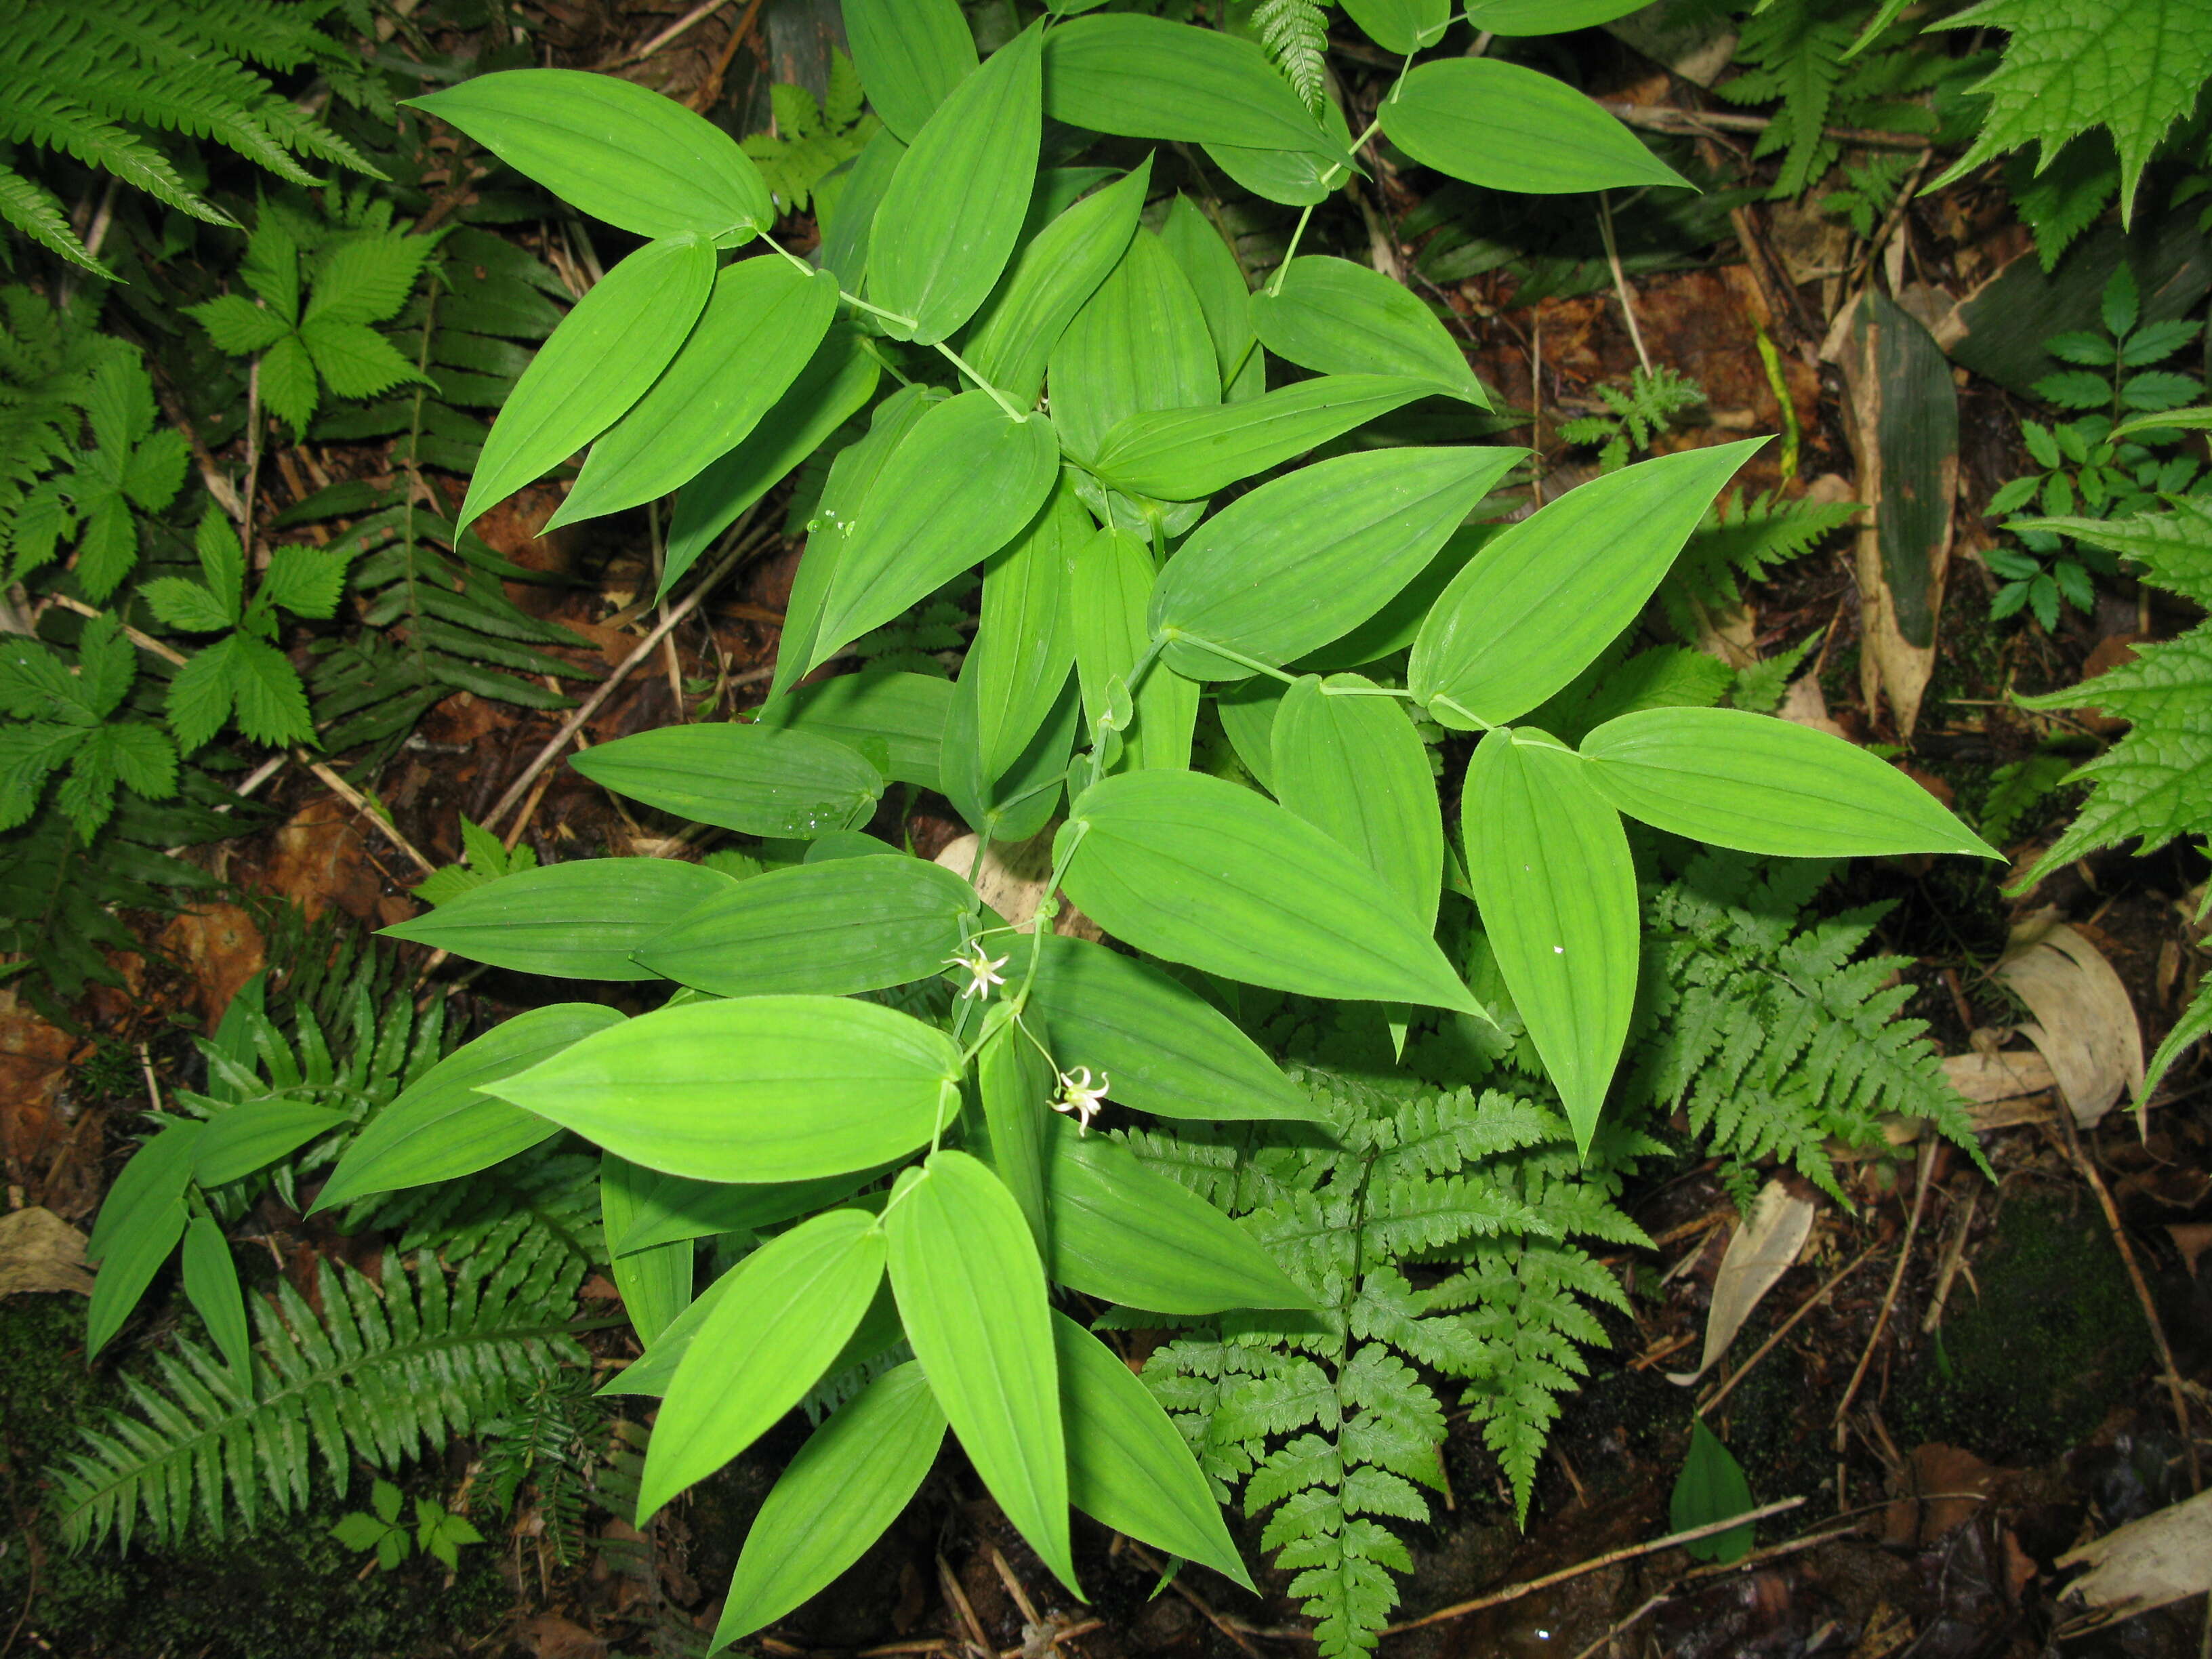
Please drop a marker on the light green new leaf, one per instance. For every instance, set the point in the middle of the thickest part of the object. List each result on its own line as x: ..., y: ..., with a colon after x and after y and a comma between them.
x: 1711, y: 1487
x: 1506, y: 127
x: 1309, y: 556
x: 1762, y: 785
x: 1393, y: 628
x: 1128, y: 1466
x: 617, y: 150
x: 1017, y: 804
x: 582, y: 920
x: 1189, y: 868
x: 1404, y: 26
x: 1111, y: 590
x: 671, y: 1207
x: 255, y: 1134
x: 1140, y: 342
x: 1163, y: 1047
x: 971, y: 1291
x: 903, y: 711
x: 1144, y: 77
x: 962, y: 484
x: 949, y: 221
x: 1024, y: 641
x: 911, y: 55
x: 1050, y: 278
x: 1014, y: 1086
x: 1545, y: 597
x: 656, y: 1369
x: 837, y: 929
x: 439, y: 1127
x: 1556, y: 888
x: 211, y: 1286
x: 1202, y: 253
x: 1355, y: 767
x: 1186, y: 454
x: 849, y: 1482
x: 598, y: 363
x: 154, y: 1178
x: 755, y: 1089
x: 766, y: 1343
x: 761, y: 324
x: 1124, y: 1234
x: 655, y: 1282
x: 1521, y: 17
x: 752, y: 779
x: 848, y: 221
x: 1338, y: 318
x: 837, y: 381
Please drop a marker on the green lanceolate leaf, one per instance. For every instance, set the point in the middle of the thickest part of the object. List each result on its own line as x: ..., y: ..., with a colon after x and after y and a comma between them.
x: 904, y: 712
x: 949, y: 221
x: 1338, y: 318
x: 963, y: 483
x: 154, y: 1178
x: 1310, y: 555
x: 670, y: 1207
x: 1354, y: 767
x: 1140, y: 343
x: 1120, y: 1232
x: 652, y: 1373
x: 441, y: 1128
x: 582, y: 920
x: 1128, y: 1466
x: 752, y: 779
x: 1161, y: 1046
x: 136, y: 1250
x: 1142, y: 77
x: 1403, y: 26
x: 1763, y: 785
x: 836, y: 383
x: 1111, y: 588
x: 971, y: 1291
x: 1025, y: 640
x: 1296, y: 178
x: 617, y: 150
x: 837, y: 929
x: 755, y: 1089
x: 251, y: 1136
x: 1196, y: 870
x: 912, y: 54
x: 1711, y: 1487
x: 761, y: 324
x: 1016, y: 803
x: 1523, y: 17
x: 765, y: 1344
x: 1556, y: 888
x: 211, y: 1285
x: 1248, y: 715
x: 1393, y: 628
x: 849, y: 1481
x: 1187, y: 454
x: 1202, y: 253
x: 1545, y: 597
x: 597, y: 364
x: 655, y: 1282
x: 1508, y: 127
x: 1050, y: 278
x: 848, y: 224
x: 1014, y: 1083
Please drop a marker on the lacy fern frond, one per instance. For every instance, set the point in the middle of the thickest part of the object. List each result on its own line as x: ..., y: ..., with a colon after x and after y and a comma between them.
x: 1741, y: 541
x: 1295, y: 33
x: 1636, y: 414
x: 386, y: 1372
x: 554, y: 1192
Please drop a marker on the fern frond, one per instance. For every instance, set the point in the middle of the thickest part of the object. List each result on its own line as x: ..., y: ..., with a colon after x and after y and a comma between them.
x: 1295, y: 34
x: 38, y: 214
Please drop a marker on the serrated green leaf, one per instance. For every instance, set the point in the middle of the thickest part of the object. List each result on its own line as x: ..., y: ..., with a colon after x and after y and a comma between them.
x: 752, y: 779
x: 238, y: 326
x: 1353, y: 767
x: 582, y: 920
x: 270, y: 703
x: 184, y: 604
x: 1506, y: 127
x: 306, y: 581
x: 354, y: 360
x: 1338, y: 318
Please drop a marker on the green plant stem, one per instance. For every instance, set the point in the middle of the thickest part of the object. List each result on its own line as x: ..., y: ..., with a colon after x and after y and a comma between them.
x: 1275, y: 282
x: 1329, y: 691
x: 853, y: 299
x: 997, y: 397
x: 1237, y: 657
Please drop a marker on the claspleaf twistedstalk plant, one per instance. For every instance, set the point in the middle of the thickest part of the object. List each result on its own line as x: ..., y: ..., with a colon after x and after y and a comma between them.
x: 1077, y: 391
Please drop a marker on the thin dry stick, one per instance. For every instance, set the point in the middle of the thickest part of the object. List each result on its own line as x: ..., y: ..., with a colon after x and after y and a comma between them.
x: 353, y: 797
x: 1151, y: 1562
x: 1590, y: 1652
x: 1515, y: 1592
x: 957, y: 1599
x: 1664, y: 118
x: 590, y: 706
x: 1888, y: 1301
x: 711, y: 88
x: 1789, y: 1325
x: 1620, y: 276
x: 2072, y: 1145
x: 1013, y: 1586
x: 1954, y: 1258
x: 696, y: 15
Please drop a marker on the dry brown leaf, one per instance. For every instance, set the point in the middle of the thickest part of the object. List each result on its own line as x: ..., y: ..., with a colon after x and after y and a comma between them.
x: 1013, y: 880
x: 2084, y: 1023
x: 2007, y: 1074
x: 1762, y: 1250
x: 1803, y: 705
x: 39, y: 1251
x: 2191, y: 1239
x: 2148, y: 1562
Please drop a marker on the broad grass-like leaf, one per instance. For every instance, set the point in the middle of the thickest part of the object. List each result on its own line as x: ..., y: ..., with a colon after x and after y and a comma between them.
x: 211, y: 1285
x: 614, y: 149
x: 598, y: 363
x: 1014, y: 1086
x: 1018, y: 802
x: 1140, y: 343
x: 911, y: 54
x: 1128, y: 1466
x: 1541, y: 600
x: 137, y: 1247
x: 849, y: 1481
x: 848, y: 219
x: 763, y: 1347
x: 441, y: 1126
x: 1202, y: 253
x: 655, y: 1282
x: 1354, y: 767
x: 1111, y: 588
x: 1762, y: 785
x: 761, y: 324
x: 971, y: 1291
x: 1025, y: 640
x: 669, y: 1207
x: 1186, y: 454
x: 1711, y: 1487
x: 1521, y: 17
x: 582, y: 920
x: 949, y: 220
x: 1403, y: 26
x: 1506, y: 127
x: 1310, y: 555
x: 753, y: 779
x: 1338, y: 318
x: 156, y: 1174
x: 905, y: 712
x: 256, y: 1133
x: 1556, y: 888
x: 837, y: 929
x: 1189, y: 868
x: 754, y: 1089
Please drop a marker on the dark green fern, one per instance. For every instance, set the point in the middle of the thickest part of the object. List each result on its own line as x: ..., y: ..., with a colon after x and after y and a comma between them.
x: 1740, y: 542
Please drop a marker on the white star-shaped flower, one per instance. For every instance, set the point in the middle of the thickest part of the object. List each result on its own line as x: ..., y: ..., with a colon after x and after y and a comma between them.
x: 1079, y: 1096
x: 982, y: 972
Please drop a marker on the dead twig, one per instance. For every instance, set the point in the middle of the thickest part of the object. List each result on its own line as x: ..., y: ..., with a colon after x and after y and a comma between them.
x: 698, y: 14
x: 1619, y: 1626
x: 1664, y: 118
x: 957, y: 1599
x: 1787, y: 1325
x: 1228, y: 1627
x: 711, y: 87
x: 1889, y: 1297
x: 1620, y: 276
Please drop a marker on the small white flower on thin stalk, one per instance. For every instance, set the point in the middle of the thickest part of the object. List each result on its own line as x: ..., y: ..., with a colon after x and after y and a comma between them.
x: 1079, y: 1096
x: 982, y: 972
